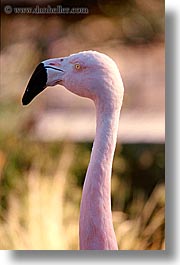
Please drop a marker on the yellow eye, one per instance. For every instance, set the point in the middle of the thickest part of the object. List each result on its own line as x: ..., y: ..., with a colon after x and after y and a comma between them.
x: 77, y: 66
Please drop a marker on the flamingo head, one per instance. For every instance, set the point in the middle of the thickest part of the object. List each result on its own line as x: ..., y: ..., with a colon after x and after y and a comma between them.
x: 88, y: 74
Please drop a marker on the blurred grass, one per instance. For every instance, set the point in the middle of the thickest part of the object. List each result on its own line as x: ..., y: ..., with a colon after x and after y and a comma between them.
x: 40, y: 192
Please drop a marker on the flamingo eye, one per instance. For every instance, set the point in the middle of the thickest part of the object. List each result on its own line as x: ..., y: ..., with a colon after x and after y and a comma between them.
x: 77, y: 66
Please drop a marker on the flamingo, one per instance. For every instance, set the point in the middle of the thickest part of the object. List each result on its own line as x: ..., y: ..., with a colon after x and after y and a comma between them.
x: 96, y: 76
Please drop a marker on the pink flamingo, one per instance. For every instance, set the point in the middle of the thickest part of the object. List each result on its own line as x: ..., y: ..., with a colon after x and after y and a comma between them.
x: 96, y: 76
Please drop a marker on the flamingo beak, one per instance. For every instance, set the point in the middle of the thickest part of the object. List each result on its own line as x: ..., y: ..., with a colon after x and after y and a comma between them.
x: 44, y: 75
x: 36, y: 85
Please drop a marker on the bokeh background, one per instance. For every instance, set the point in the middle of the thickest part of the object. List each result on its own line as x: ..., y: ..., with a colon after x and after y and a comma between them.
x: 45, y: 147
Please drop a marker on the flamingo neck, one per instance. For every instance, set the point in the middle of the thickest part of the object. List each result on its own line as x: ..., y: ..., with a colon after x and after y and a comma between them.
x: 96, y: 227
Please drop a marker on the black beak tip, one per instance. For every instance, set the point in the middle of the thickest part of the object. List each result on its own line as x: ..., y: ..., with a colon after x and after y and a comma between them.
x: 27, y: 97
x: 24, y: 101
x: 36, y: 85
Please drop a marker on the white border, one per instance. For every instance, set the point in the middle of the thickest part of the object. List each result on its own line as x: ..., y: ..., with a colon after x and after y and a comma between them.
x: 172, y: 254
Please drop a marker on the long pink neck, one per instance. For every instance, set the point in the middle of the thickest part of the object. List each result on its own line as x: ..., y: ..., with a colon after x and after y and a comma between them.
x: 96, y: 227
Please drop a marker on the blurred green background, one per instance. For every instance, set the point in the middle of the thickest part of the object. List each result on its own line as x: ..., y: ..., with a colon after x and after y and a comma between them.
x: 45, y: 148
